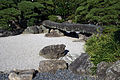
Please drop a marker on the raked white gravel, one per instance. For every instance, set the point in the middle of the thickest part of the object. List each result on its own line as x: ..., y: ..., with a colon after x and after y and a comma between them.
x: 22, y: 51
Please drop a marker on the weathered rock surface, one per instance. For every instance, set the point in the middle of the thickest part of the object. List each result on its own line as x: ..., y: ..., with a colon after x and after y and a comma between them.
x: 101, y: 69
x: 51, y: 65
x: 72, y: 27
x: 35, y: 30
x: 113, y: 72
x: 22, y: 74
x: 53, y: 51
x: 32, y: 30
x: 42, y: 29
x: 81, y: 65
x: 54, y: 33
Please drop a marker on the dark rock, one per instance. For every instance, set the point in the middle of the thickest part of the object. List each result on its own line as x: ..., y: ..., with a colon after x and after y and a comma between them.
x: 53, y: 51
x: 52, y: 65
x: 113, y: 72
x: 101, y: 69
x: 6, y: 33
x: 81, y: 65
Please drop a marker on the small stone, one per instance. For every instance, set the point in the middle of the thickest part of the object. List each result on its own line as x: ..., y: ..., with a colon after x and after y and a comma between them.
x: 21, y: 74
x: 69, y: 21
x: 51, y: 65
x: 59, y: 17
x: 54, y: 33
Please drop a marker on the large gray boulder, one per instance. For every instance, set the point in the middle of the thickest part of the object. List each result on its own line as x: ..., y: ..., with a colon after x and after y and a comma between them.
x: 113, y: 72
x: 81, y: 65
x: 52, y: 65
x: 53, y: 51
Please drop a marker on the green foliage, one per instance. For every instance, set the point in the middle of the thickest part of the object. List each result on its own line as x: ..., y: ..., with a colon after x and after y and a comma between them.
x: 103, y: 48
x: 99, y: 12
x: 27, y: 12
x: 48, y: 7
x: 30, y: 11
x: 71, y: 17
x: 27, y: 8
x: 19, y: 12
x: 8, y: 15
x: 65, y: 8
x: 81, y: 12
x: 6, y: 4
x: 54, y: 18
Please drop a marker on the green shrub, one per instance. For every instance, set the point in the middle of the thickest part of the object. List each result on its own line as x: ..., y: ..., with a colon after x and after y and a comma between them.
x: 7, y: 16
x: 65, y: 8
x: 54, y: 18
x: 19, y: 13
x: 71, y: 17
x: 103, y: 48
x: 104, y: 13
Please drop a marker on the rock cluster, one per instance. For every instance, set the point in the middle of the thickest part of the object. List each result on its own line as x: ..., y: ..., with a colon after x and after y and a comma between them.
x: 55, y: 69
x: 35, y: 30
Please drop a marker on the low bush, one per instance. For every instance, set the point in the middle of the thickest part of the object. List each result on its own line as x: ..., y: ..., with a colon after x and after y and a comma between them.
x: 97, y: 12
x: 54, y: 18
x: 104, y: 47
